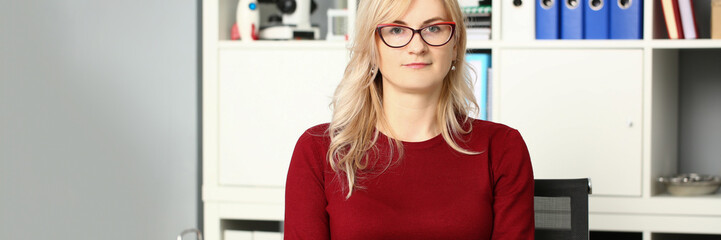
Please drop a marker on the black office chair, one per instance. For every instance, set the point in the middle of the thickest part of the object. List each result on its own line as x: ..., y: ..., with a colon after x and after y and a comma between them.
x: 561, y: 208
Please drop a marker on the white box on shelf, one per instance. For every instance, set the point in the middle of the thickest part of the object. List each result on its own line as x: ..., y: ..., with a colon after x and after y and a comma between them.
x: 337, y: 25
x: 262, y: 235
x: 237, y: 235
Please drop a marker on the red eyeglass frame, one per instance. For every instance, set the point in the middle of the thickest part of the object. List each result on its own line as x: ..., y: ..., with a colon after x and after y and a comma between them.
x: 452, y: 24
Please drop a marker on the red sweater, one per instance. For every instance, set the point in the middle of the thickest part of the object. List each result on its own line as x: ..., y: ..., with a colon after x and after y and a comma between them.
x: 434, y: 192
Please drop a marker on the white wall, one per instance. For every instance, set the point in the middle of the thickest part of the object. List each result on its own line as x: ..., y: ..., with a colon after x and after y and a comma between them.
x: 99, y: 119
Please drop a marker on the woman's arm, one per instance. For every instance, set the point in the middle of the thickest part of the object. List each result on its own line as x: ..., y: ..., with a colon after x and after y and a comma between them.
x: 305, y: 201
x: 513, y: 190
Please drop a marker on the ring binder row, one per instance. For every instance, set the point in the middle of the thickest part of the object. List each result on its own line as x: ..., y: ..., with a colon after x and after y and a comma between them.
x: 572, y: 19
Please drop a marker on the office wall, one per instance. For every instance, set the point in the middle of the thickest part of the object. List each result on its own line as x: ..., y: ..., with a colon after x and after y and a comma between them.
x: 99, y: 119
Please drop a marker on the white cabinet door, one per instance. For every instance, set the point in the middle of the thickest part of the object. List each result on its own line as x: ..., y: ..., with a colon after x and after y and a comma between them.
x: 267, y: 99
x: 579, y: 112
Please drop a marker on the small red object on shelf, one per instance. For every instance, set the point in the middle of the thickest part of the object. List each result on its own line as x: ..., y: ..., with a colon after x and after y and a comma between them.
x: 234, y: 33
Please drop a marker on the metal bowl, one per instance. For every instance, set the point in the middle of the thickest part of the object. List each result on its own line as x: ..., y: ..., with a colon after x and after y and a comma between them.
x: 691, y: 184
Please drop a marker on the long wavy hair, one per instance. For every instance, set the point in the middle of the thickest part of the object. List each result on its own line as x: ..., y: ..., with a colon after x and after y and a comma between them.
x: 357, y: 102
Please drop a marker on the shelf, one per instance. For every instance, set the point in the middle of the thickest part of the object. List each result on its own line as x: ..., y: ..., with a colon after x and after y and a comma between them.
x: 614, y: 44
x: 585, y: 44
x: 488, y: 44
x: 715, y: 196
x: 563, y: 44
x: 275, y: 45
x: 699, y: 206
x: 668, y: 71
x: 650, y: 223
x: 686, y: 43
x: 556, y: 44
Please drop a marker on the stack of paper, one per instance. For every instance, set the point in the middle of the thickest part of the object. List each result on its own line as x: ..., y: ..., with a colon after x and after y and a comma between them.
x: 478, y: 22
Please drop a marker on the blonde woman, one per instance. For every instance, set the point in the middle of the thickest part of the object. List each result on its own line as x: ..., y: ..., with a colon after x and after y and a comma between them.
x: 400, y: 158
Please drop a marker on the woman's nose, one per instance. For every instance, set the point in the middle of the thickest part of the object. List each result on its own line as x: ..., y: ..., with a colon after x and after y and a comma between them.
x: 417, y: 45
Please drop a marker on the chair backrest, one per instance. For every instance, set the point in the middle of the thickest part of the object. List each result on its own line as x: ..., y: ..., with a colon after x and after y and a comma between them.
x: 561, y: 208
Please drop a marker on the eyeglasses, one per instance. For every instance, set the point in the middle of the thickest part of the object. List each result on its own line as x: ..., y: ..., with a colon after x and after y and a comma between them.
x: 397, y: 36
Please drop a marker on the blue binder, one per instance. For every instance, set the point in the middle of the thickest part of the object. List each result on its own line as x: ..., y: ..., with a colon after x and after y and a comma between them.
x: 481, y: 62
x: 595, y: 14
x: 547, y: 16
x: 626, y: 19
x: 572, y: 19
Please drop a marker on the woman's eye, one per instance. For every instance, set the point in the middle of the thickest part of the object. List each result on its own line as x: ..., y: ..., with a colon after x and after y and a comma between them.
x: 434, y: 28
x: 396, y: 30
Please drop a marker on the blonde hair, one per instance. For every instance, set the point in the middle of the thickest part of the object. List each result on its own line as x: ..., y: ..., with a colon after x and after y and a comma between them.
x: 357, y: 102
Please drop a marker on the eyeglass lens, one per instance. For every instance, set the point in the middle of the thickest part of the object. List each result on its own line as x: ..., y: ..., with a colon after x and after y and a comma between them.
x: 397, y: 36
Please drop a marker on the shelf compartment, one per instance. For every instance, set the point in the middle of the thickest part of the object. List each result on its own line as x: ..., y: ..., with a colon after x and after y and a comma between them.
x: 250, y: 229
x: 700, y: 111
x: 603, y: 235
x: 227, y: 11
x: 590, y: 126
x: 686, y: 236
x: 276, y: 78
x: 685, y: 129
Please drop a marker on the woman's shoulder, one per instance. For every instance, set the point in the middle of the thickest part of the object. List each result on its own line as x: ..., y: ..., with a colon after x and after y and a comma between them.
x: 490, y: 129
x: 316, y: 135
x: 320, y: 129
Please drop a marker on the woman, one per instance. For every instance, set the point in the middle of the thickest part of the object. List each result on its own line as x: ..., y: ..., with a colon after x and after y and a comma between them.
x: 401, y: 159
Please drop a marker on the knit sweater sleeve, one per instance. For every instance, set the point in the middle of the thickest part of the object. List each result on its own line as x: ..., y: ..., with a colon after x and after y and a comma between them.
x: 513, y: 189
x: 305, y: 199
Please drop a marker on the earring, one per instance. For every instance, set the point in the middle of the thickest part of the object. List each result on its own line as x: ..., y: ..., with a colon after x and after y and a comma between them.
x: 453, y: 68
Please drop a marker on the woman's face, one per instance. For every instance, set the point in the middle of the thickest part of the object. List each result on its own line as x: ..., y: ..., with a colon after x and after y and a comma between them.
x: 417, y: 67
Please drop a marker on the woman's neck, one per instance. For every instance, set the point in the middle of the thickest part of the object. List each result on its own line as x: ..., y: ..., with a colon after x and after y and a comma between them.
x: 411, y: 116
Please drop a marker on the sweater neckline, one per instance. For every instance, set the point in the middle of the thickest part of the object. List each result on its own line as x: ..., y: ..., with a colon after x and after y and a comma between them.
x: 413, y: 145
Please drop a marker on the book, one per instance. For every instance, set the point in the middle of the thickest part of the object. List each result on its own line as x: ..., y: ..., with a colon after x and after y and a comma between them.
x: 688, y: 21
x: 672, y: 17
x: 485, y: 9
x: 478, y: 33
x: 716, y: 19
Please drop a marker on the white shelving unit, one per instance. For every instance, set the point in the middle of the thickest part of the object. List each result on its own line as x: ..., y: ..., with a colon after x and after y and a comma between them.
x: 601, y: 108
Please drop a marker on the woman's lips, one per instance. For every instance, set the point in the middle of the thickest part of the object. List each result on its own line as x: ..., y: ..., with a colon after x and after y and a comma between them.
x: 416, y: 65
